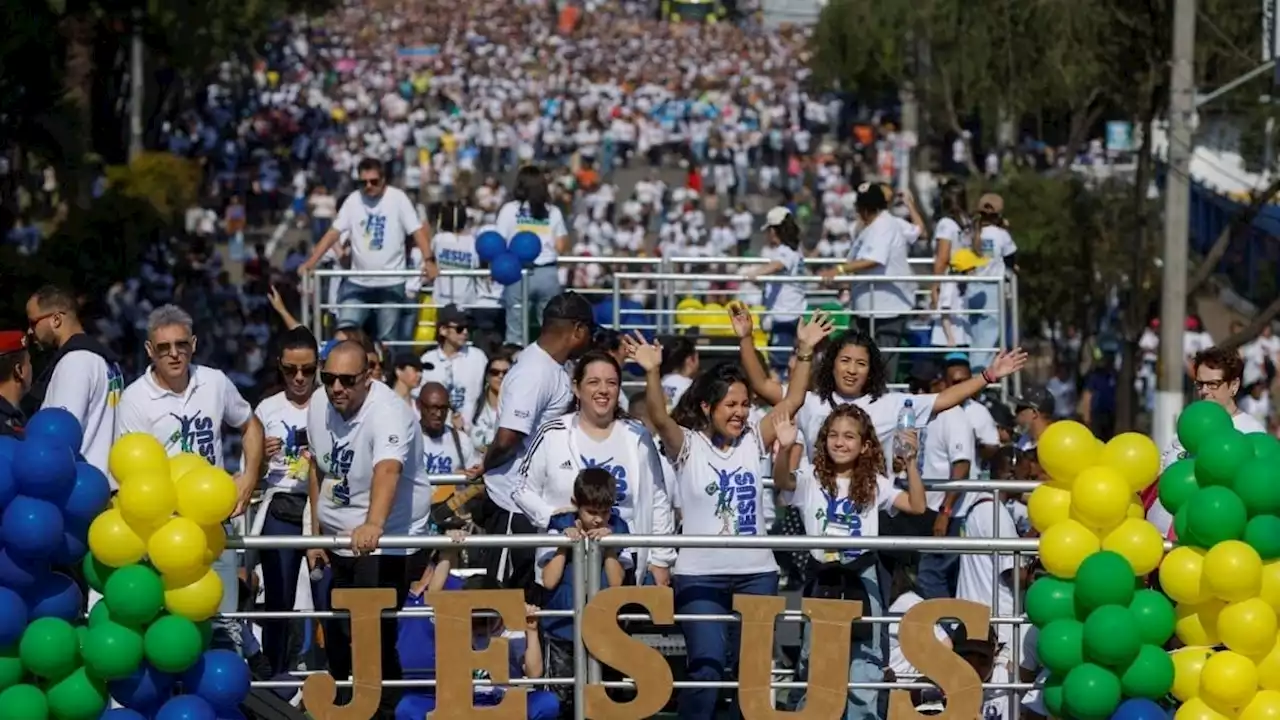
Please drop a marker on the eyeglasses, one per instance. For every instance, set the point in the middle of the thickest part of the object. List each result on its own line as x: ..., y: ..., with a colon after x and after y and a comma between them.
x: 292, y: 370
x: 497, y: 372
x: 33, y: 322
x: 347, y: 380
x: 1210, y: 384
x: 371, y: 182
x: 434, y: 407
x: 178, y: 348
x: 458, y: 328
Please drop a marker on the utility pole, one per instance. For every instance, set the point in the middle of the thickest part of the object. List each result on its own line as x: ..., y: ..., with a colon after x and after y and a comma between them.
x: 1177, y: 192
x: 137, y: 87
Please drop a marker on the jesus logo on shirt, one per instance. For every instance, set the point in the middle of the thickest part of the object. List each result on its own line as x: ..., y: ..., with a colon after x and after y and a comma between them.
x: 194, y: 435
x: 375, y: 231
x: 617, y: 470
x: 735, y: 492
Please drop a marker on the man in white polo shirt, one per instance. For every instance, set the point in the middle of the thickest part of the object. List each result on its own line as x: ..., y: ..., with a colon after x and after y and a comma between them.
x: 537, y: 389
x: 457, y: 364
x: 366, y: 450
x: 377, y: 218
x: 185, y: 407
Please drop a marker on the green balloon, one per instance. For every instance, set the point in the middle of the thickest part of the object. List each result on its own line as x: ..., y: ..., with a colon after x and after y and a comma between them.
x: 1215, y: 514
x: 1153, y: 616
x: 78, y: 697
x: 1262, y: 533
x: 50, y: 648
x: 134, y: 595
x: 24, y: 702
x: 95, y: 573
x: 1256, y: 485
x: 99, y: 614
x: 1180, y: 530
x: 1060, y: 645
x: 11, y: 670
x: 1050, y: 598
x: 1177, y: 484
x: 1052, y: 694
x: 112, y: 651
x: 172, y: 644
x: 1264, y: 444
x: 1221, y: 456
x: 1150, y: 675
x: 1111, y: 636
x: 1090, y: 692
x: 1104, y: 578
x: 1199, y: 421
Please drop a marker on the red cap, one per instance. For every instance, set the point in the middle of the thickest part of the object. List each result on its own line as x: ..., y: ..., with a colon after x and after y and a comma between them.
x: 12, y: 341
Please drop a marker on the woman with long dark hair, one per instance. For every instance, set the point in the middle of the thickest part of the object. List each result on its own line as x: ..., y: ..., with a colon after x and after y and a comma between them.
x: 953, y: 231
x: 994, y: 243
x: 530, y: 210
x: 484, y: 421
x: 785, y: 302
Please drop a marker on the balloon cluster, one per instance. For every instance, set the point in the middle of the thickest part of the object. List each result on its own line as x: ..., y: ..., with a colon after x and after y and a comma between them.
x: 1100, y: 638
x: 1225, y: 572
x: 505, y: 261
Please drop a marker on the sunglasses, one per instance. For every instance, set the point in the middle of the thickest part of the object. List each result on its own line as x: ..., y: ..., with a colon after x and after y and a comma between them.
x: 435, y: 408
x: 495, y: 372
x: 371, y: 182
x: 347, y: 380
x: 292, y: 370
x: 179, y: 347
x: 458, y: 328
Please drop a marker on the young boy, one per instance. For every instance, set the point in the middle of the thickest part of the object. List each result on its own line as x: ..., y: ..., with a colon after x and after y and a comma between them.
x: 593, y: 515
x: 416, y: 645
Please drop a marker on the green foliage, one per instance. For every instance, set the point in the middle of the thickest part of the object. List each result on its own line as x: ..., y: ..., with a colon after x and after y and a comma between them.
x: 168, y: 183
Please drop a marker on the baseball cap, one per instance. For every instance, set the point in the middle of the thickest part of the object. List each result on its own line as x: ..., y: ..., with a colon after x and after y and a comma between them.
x: 991, y: 203
x: 569, y: 306
x: 952, y: 359
x: 775, y: 217
x: 404, y: 360
x: 12, y: 341
x: 964, y: 260
x: 452, y: 315
x: 1038, y: 399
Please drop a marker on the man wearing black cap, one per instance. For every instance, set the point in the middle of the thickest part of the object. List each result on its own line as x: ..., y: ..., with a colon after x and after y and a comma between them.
x: 15, y: 379
x: 456, y: 364
x: 1035, y: 415
x: 537, y: 389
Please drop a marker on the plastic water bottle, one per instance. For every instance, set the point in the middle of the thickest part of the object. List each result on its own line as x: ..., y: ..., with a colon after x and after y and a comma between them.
x: 906, y: 422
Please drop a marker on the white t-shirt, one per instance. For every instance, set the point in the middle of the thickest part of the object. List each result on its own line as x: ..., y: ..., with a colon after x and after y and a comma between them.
x: 287, y: 469
x: 440, y: 456
x: 984, y: 429
x: 377, y: 231
x: 346, y: 452
x: 997, y: 244
x: 87, y: 386
x: 537, y: 389
x: 514, y: 217
x: 720, y: 492
x: 462, y: 375
x: 984, y: 518
x: 454, y: 252
x: 188, y: 422
x: 883, y: 242
x: 897, y: 659
x: 948, y: 229
x: 883, y: 411
x: 786, y: 300
x: 1195, y: 342
x: 838, y: 516
x: 1160, y: 517
x: 675, y: 385
x: 950, y: 299
x: 945, y: 441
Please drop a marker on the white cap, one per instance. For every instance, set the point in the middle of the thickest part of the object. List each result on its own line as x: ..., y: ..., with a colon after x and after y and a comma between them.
x: 776, y: 217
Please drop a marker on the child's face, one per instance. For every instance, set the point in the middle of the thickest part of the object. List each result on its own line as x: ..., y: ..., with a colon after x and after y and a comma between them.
x: 844, y: 440
x: 593, y: 518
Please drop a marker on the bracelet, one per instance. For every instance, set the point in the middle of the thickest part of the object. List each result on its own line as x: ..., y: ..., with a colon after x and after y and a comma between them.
x: 986, y: 375
x: 804, y: 357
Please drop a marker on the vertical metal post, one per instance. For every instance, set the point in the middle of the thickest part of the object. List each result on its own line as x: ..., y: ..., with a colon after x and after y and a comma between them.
x: 306, y: 300
x: 317, y: 292
x: 1015, y: 704
x: 580, y: 561
x: 617, y: 304
x: 524, y: 306
x: 664, y: 322
x: 1016, y: 340
x: 1002, y: 319
x: 592, y: 569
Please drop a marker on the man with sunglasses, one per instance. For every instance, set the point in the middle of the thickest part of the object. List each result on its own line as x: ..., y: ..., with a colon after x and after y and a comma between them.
x: 82, y: 377
x: 377, y: 217
x: 366, y: 453
x: 186, y: 406
x: 455, y: 363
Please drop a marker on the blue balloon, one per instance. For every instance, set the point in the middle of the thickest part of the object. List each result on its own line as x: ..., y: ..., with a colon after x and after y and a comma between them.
x: 13, y: 617
x: 45, y: 470
x: 75, y: 543
x: 31, y: 528
x: 505, y: 269
x: 19, y: 573
x: 186, y: 707
x: 527, y: 246
x: 221, y: 677
x: 9, y: 446
x: 123, y: 714
x: 56, y: 426
x: 230, y: 715
x: 1139, y: 709
x: 89, y: 495
x: 145, y: 690
x: 489, y: 245
x: 8, y: 485
x: 55, y: 595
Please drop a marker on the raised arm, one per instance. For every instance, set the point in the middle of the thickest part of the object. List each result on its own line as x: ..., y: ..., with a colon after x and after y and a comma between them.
x: 1004, y: 365
x: 784, y: 462
x: 765, y: 387
x: 808, y: 335
x: 649, y: 356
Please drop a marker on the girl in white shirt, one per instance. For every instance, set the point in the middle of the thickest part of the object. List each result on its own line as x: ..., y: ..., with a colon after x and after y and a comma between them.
x: 996, y: 245
x: 785, y: 302
x: 531, y: 211
x: 717, y: 454
x: 484, y: 423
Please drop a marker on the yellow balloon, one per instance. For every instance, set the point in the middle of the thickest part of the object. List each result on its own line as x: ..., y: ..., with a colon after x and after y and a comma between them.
x: 215, y: 540
x: 137, y: 454
x: 1264, y: 706
x: 113, y: 542
x: 1233, y: 571
x: 1047, y: 506
x: 1136, y: 511
x: 1199, y: 624
x: 1228, y: 680
x: 1100, y: 497
x: 148, y: 498
x: 1135, y: 456
x: 144, y: 528
x: 183, y: 463
x: 1065, y: 449
x: 1248, y: 627
x: 1270, y: 590
x: 178, y: 547
x: 1182, y: 576
x: 1065, y: 545
x: 1269, y: 667
x: 1139, y: 542
x: 206, y: 495
x: 1197, y: 709
x: 1187, y: 664
x: 196, y: 600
